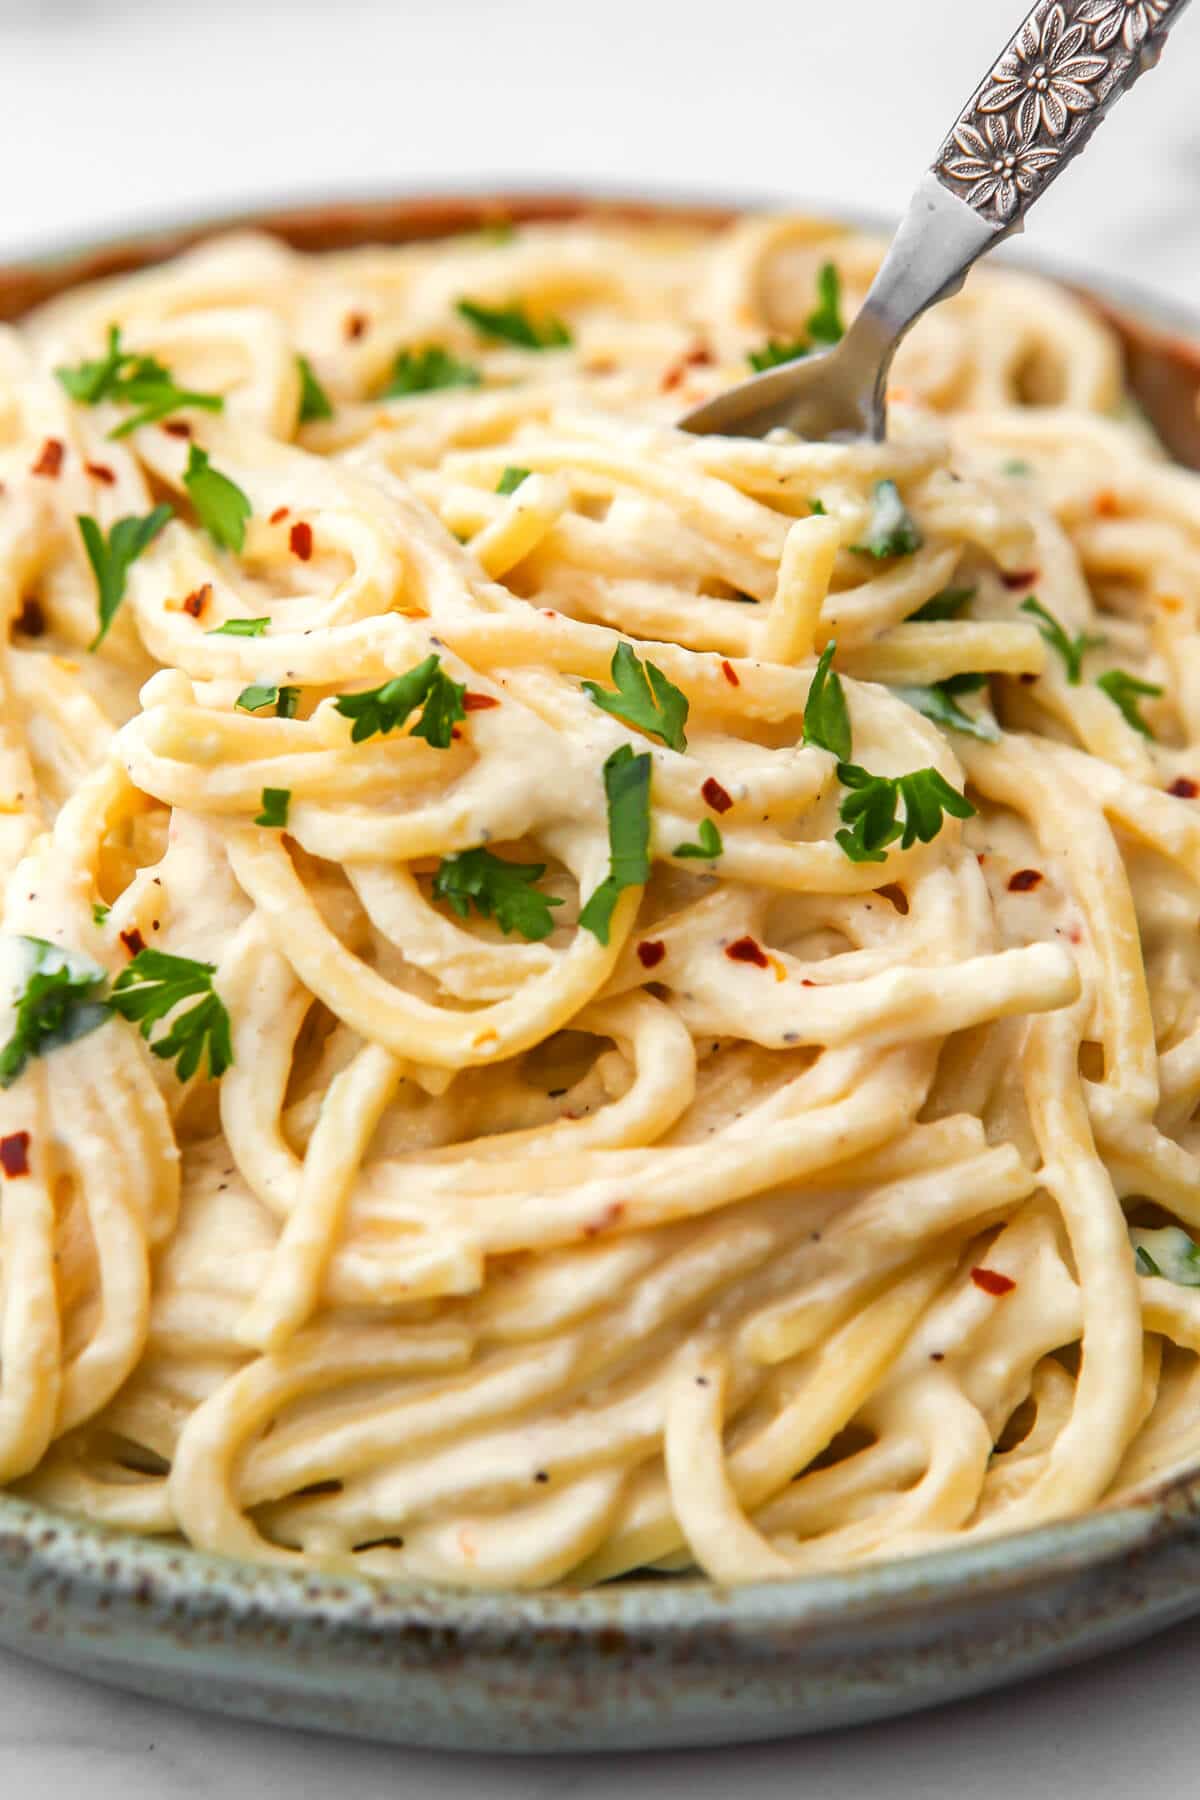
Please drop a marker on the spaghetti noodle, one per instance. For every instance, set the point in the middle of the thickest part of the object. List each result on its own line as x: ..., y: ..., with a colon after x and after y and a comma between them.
x: 580, y: 998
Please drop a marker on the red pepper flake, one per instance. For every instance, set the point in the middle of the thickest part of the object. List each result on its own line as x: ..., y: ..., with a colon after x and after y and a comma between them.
x: 478, y: 702
x: 715, y: 796
x: 673, y: 377
x: 608, y: 1217
x: 1020, y: 578
x: 1108, y: 505
x: 300, y: 540
x: 730, y: 674
x: 101, y: 472
x: 280, y: 513
x: 1024, y: 880
x: 805, y: 982
x: 50, y: 457
x: 177, y: 428
x: 895, y: 894
x: 14, y: 1154
x: 133, y: 941
x: 355, y: 326
x: 197, y: 600
x: 992, y: 1282
x: 747, y: 951
x: 1183, y: 788
x: 699, y: 355
x: 1027, y: 679
x: 455, y: 733
x: 651, y: 952
x: 31, y: 620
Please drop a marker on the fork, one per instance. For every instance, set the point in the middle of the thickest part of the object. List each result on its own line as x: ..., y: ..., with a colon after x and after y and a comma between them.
x: 1035, y: 110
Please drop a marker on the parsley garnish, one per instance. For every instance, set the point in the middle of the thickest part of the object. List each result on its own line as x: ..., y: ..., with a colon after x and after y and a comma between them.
x: 100, y: 912
x: 220, y: 504
x: 497, y: 888
x: 1169, y: 1253
x: 110, y: 558
x: 284, y: 699
x: 239, y: 628
x: 383, y: 709
x: 132, y: 380
x: 824, y: 326
x: 1016, y: 465
x: 938, y: 703
x: 826, y: 716
x: 893, y: 531
x: 707, y: 848
x: 420, y: 371
x: 1071, y: 650
x: 511, y: 479
x: 644, y: 698
x: 275, y: 803
x: 314, y: 401
x: 152, y: 986
x: 1124, y: 690
x: 62, y: 999
x: 869, y: 810
x: 627, y: 790
x: 513, y: 325
x: 946, y: 605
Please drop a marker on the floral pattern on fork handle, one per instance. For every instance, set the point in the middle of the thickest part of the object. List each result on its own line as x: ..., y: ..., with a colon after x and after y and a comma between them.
x: 1068, y: 64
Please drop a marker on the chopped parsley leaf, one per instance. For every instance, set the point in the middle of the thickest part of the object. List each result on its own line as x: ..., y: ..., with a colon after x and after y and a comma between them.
x: 153, y: 985
x: 314, y: 401
x: 644, y: 698
x: 423, y: 371
x: 379, y: 710
x: 497, y: 889
x: 708, y: 846
x: 1124, y: 690
x: 220, y: 504
x: 826, y: 715
x: 627, y: 791
x: 513, y: 325
x: 60, y: 999
x: 111, y: 557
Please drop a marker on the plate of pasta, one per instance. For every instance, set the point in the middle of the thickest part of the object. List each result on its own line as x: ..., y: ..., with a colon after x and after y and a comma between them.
x: 600, y: 1035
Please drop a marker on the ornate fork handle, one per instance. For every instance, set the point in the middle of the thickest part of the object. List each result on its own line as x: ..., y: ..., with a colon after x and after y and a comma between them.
x: 1061, y: 74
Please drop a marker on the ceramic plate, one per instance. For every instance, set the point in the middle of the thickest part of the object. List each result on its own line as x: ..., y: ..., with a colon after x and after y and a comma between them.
x: 640, y: 1663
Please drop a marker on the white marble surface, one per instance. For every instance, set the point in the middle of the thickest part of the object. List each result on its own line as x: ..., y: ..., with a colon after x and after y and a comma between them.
x: 125, y: 112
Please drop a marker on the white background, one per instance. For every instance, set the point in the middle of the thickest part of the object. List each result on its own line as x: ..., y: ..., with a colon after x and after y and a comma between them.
x: 112, y: 114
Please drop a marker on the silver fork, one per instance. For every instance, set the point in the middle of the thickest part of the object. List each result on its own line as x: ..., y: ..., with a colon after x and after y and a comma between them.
x: 1060, y: 75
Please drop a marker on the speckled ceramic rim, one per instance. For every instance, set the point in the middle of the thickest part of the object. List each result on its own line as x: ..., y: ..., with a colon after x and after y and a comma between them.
x: 640, y: 1662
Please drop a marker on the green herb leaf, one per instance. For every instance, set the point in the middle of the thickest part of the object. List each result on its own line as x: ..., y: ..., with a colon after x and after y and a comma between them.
x: 1168, y: 1253
x: 946, y: 605
x: 284, y: 699
x: 132, y: 380
x: 59, y: 998
x: 1071, y: 650
x: 111, y: 558
x: 513, y: 325
x: 825, y: 324
x: 314, y: 401
x: 644, y: 698
x: 511, y: 479
x: 275, y: 803
x: 870, y: 810
x: 220, y: 504
x: 239, y: 628
x: 422, y: 371
x: 893, y: 531
x: 100, y: 912
x: 826, y: 715
x: 497, y: 888
x: 380, y: 710
x: 707, y: 848
x: 152, y: 986
x: 1016, y: 465
x: 817, y: 509
x: 627, y: 790
x: 938, y: 702
x: 1124, y: 690
x: 775, y: 352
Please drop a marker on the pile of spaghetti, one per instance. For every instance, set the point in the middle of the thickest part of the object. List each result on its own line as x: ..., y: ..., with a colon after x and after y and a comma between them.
x: 576, y: 998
